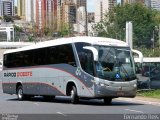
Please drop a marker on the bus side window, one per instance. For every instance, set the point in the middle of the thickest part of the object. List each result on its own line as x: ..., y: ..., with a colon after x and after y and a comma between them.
x: 85, y: 58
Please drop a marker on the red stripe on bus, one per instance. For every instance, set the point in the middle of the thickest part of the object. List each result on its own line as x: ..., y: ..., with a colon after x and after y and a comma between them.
x: 59, y: 70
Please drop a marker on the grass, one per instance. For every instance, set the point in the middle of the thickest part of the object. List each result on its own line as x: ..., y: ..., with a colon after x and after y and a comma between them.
x: 150, y: 93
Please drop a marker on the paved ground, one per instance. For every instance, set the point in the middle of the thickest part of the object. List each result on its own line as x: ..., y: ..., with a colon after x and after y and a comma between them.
x: 61, y: 108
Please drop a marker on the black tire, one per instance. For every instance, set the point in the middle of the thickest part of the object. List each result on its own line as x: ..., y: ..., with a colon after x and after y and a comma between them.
x: 20, y: 94
x: 107, y: 101
x: 74, y: 96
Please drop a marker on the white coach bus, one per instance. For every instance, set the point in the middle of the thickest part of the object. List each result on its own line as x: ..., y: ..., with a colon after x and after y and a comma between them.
x: 80, y: 67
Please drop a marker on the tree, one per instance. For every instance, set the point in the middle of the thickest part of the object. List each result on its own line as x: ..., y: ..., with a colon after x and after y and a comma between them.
x: 46, y: 31
x: 8, y: 18
x: 17, y: 28
x: 65, y: 30
x: 144, y: 21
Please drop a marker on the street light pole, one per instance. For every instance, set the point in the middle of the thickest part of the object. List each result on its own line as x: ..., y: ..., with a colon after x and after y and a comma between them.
x: 86, y: 21
x: 152, y: 39
x: 159, y: 34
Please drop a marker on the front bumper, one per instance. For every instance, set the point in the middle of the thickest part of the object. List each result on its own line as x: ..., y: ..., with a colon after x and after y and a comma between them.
x: 116, y: 89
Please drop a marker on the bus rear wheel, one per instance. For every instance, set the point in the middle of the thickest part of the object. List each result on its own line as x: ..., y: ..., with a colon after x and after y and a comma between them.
x: 20, y: 94
x: 74, y: 96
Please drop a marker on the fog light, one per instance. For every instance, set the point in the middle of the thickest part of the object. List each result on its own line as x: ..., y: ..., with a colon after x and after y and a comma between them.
x: 135, y: 85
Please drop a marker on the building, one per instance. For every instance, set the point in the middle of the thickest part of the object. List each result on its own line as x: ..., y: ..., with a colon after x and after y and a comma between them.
x: 46, y: 14
x: 80, y: 26
x: 0, y: 7
x: 102, y: 7
x: 155, y: 4
x: 81, y: 3
x: 7, y: 7
x: 21, y: 8
x: 91, y: 17
x: 30, y: 11
x: 132, y: 1
x: 67, y: 12
x: 51, y: 14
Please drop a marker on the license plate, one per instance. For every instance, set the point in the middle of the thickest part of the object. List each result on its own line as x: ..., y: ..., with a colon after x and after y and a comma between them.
x: 120, y: 93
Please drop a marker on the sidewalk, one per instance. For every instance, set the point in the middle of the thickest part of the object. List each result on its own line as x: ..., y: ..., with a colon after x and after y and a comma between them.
x: 147, y: 99
x: 142, y: 100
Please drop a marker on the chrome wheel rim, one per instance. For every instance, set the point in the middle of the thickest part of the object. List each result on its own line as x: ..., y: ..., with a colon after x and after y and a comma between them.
x: 20, y: 92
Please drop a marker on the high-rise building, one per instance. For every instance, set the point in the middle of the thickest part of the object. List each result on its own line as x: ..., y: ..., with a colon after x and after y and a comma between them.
x: 155, y: 4
x: 51, y: 14
x: 132, y: 1
x: 21, y: 8
x: 7, y: 7
x: 30, y: 10
x: 46, y: 14
x: 0, y: 7
x: 81, y: 2
x: 27, y: 10
x: 67, y: 11
x: 102, y: 7
x: 40, y: 14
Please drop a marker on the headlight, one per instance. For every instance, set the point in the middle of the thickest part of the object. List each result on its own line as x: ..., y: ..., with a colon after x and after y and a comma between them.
x: 101, y: 84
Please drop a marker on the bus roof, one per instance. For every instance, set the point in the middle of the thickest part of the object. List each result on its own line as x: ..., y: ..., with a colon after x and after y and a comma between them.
x: 148, y: 59
x: 60, y: 41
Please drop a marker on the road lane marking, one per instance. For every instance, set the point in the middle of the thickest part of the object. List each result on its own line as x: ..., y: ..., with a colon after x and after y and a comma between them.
x: 134, y: 111
x: 61, y: 113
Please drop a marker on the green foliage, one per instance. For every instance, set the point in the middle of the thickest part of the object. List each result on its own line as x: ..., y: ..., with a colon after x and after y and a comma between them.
x: 31, y: 38
x: 17, y: 28
x: 46, y: 31
x: 8, y: 18
x: 65, y: 30
x: 144, y: 21
x: 150, y: 52
x: 151, y: 93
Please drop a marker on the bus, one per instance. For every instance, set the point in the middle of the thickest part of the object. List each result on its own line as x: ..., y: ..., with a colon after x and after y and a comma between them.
x: 79, y: 67
x: 149, y: 72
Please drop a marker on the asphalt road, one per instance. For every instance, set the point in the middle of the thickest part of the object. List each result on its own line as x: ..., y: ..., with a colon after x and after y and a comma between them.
x: 61, y: 108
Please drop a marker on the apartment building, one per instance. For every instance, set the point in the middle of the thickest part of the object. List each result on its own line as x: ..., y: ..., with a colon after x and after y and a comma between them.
x: 46, y: 14
x: 155, y: 4
x: 7, y: 7
x: 67, y: 12
x: 102, y: 7
x: 21, y: 8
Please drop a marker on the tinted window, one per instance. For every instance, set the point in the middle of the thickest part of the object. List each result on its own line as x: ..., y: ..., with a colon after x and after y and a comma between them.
x: 41, y: 56
x: 85, y: 57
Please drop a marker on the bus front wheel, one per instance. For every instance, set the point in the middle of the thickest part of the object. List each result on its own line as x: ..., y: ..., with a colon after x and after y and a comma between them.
x: 74, y: 96
x: 20, y: 94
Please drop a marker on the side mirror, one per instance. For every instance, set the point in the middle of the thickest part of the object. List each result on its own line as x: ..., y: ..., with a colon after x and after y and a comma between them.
x: 94, y: 51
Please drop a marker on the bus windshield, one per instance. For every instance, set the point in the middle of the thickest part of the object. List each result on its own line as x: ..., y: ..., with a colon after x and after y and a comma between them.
x: 115, y: 63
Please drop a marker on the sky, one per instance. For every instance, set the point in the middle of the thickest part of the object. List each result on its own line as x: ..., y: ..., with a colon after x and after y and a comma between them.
x: 91, y: 5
